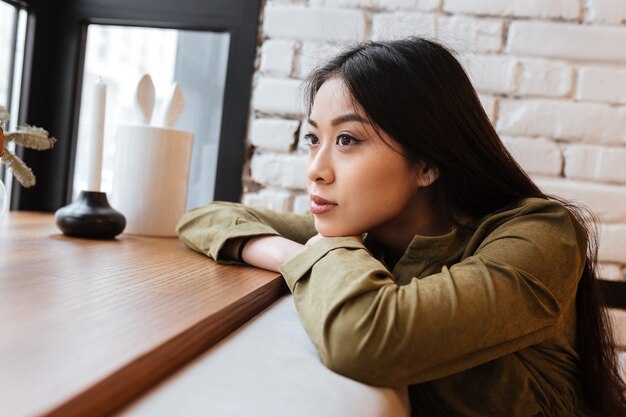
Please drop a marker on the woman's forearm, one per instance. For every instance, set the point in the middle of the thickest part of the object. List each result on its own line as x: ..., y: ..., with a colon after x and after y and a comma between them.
x: 267, y: 252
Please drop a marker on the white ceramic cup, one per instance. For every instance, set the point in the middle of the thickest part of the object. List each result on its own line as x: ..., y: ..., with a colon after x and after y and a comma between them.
x: 150, y: 178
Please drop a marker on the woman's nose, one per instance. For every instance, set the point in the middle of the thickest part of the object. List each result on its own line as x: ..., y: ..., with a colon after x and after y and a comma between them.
x: 319, y: 167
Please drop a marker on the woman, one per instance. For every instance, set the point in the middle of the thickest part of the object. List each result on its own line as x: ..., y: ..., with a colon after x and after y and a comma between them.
x: 471, y: 286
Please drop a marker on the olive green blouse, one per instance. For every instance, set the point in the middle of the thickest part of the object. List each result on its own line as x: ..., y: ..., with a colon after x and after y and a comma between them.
x: 477, y: 322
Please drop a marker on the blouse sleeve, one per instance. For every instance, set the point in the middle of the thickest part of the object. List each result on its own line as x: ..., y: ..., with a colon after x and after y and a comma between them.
x: 504, y: 297
x: 206, y: 229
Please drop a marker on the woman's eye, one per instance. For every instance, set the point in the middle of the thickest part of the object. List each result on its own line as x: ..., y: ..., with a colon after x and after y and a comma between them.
x: 310, y: 139
x: 346, y: 140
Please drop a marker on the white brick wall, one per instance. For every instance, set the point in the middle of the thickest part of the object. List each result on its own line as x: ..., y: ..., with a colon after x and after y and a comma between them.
x: 536, y: 155
x: 492, y: 73
x: 612, y: 238
x: 287, y: 171
x: 304, y: 23
x: 281, y: 96
x: 274, y: 134
x: 546, y: 78
x: 427, y: 5
x: 551, y: 75
x: 588, y: 122
x: 606, y: 200
x: 606, y: 11
x: 567, y: 9
x: 462, y: 32
x: 598, y: 163
x: 273, y: 199
x: 313, y: 54
x: 400, y: 25
x: 277, y: 57
x: 610, y: 271
x: 489, y: 104
x: 603, y: 84
x: 344, y: 3
x: 562, y: 40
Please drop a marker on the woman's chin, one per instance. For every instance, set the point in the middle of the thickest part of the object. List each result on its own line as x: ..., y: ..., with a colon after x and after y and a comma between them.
x: 328, y: 229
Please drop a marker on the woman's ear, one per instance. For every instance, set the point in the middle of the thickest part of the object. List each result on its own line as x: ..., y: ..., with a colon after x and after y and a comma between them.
x: 426, y: 174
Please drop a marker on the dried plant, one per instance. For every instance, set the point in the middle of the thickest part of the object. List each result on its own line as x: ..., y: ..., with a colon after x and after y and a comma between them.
x: 27, y: 136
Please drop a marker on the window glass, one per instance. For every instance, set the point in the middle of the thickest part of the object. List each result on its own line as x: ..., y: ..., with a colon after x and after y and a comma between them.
x: 12, y: 41
x: 7, y: 27
x: 121, y: 55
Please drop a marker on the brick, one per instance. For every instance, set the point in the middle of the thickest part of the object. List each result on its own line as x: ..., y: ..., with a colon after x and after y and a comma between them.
x: 272, y: 95
x: 313, y: 54
x: 491, y: 73
x: 612, y: 165
x: 489, y: 104
x: 303, y: 23
x: 568, y: 41
x: 610, y: 271
x: 581, y: 161
x: 277, y: 200
x: 618, y: 321
x: 537, y: 156
x: 605, y: 11
x: 301, y: 203
x: 612, y: 243
x: 607, y: 201
x: 274, y: 134
x: 287, y: 171
x: 273, y: 2
x: 277, y: 57
x: 565, y: 9
x: 606, y: 84
x: 400, y: 25
x: 344, y: 3
x: 598, y: 163
x: 461, y: 32
x: 545, y: 78
x: 588, y: 122
x: 621, y: 364
x: 424, y: 5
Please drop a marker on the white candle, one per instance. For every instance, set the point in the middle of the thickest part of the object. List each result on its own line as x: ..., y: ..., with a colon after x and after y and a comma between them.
x: 96, y: 136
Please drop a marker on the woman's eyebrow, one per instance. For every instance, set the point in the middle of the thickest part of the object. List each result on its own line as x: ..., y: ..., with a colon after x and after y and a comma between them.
x: 342, y: 119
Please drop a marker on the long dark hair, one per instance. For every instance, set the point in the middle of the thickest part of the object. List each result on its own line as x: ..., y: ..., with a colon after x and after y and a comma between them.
x: 418, y: 93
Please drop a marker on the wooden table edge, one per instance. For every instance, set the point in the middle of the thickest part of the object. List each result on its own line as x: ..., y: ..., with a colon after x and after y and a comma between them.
x: 110, y: 395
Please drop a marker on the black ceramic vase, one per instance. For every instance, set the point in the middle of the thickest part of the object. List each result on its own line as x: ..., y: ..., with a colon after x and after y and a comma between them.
x: 90, y: 216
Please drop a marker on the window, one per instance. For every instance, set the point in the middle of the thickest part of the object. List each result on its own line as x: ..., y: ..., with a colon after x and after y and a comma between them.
x: 13, y: 18
x: 56, y: 64
x: 120, y: 55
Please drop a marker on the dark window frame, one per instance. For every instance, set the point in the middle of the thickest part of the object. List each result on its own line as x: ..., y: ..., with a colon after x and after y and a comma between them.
x: 53, y: 72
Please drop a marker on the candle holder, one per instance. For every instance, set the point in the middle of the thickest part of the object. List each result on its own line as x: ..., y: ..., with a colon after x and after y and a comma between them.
x: 91, y: 216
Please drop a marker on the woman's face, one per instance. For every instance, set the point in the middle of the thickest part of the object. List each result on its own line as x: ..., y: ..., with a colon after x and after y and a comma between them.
x: 356, y: 182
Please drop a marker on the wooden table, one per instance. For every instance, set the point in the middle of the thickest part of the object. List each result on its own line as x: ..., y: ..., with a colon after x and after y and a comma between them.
x: 86, y: 326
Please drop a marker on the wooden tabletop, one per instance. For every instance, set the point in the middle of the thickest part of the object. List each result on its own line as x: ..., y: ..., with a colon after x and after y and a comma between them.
x: 88, y: 325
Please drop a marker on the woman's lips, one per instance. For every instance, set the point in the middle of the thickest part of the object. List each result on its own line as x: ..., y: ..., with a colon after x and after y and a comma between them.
x: 321, y: 206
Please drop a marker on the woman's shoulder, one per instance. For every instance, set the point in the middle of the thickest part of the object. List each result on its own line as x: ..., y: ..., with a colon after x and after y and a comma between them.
x: 534, y: 204
x: 546, y: 224
x: 532, y: 210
